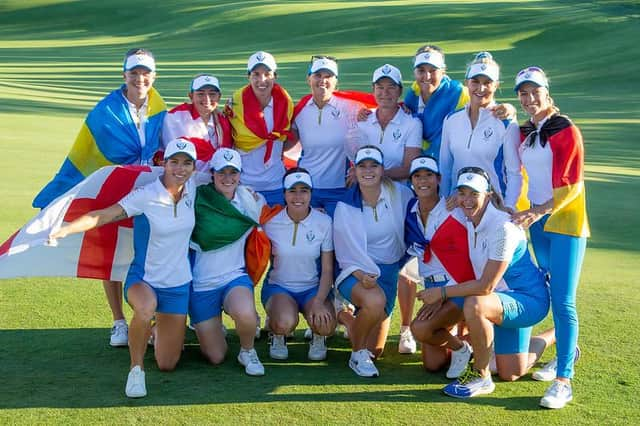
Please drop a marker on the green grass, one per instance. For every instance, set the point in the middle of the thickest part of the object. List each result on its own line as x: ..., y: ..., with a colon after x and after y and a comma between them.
x: 57, y: 58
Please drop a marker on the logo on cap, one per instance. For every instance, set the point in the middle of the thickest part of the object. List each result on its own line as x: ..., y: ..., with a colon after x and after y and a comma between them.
x: 228, y: 155
x: 483, y: 67
x: 386, y: 70
x: 427, y: 56
x: 181, y: 145
x: 207, y: 78
x: 298, y: 176
x: 260, y: 56
x: 367, y: 151
x: 527, y: 75
x: 469, y: 177
x: 423, y: 161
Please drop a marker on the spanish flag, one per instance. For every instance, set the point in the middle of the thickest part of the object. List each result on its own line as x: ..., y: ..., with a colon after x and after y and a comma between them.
x: 247, y: 119
x: 109, y: 136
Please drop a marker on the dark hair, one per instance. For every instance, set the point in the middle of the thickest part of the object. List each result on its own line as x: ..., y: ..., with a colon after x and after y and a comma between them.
x: 138, y: 51
x: 429, y: 48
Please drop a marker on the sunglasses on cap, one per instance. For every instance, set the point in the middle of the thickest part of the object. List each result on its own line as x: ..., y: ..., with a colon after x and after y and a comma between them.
x: 530, y: 69
x: 475, y: 171
x: 316, y: 57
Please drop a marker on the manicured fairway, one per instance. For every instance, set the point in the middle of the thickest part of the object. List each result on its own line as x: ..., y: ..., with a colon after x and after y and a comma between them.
x: 58, y: 57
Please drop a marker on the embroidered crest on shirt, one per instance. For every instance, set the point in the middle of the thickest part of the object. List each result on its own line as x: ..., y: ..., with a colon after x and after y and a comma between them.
x: 336, y: 114
x: 488, y: 132
x: 397, y: 134
x: 310, y: 236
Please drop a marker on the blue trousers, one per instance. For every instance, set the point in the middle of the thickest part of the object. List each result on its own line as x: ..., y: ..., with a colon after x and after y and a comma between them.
x: 561, y: 257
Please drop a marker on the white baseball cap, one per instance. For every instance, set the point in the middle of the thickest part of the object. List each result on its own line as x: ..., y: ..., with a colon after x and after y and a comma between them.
x: 388, y: 71
x: 368, y: 153
x: 490, y: 70
x: 295, y: 178
x: 262, y: 58
x: 177, y: 146
x: 475, y: 180
x: 431, y: 57
x: 139, y: 60
x: 323, y: 63
x: 533, y: 75
x: 205, y: 80
x: 424, y: 163
x: 225, y: 157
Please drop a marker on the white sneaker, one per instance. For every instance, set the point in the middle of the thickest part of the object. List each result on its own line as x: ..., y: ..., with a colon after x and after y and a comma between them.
x: 252, y: 365
x: 407, y: 344
x: 308, y: 334
x: 119, y: 334
x: 317, y: 348
x: 459, y: 360
x: 361, y: 363
x: 549, y: 371
x: 557, y: 395
x: 136, y: 387
x: 278, y: 347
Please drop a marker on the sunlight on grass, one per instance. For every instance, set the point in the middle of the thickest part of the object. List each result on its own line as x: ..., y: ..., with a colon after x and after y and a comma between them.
x: 80, y: 40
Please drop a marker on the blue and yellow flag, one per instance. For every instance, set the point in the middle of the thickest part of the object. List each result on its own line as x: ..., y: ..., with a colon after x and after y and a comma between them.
x: 108, y: 136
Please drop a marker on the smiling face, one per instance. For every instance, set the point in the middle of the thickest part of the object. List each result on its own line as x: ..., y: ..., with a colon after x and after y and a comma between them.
x: 481, y: 90
x: 473, y: 203
x: 178, y: 169
x: 322, y: 84
x: 425, y: 183
x: 387, y: 93
x: 298, y: 199
x: 262, y: 79
x: 138, y: 82
x: 369, y: 173
x: 535, y: 100
x: 226, y: 181
x: 205, y: 100
x: 428, y: 78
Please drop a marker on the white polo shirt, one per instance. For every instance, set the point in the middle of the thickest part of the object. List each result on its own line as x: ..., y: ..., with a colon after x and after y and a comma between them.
x: 538, y: 162
x: 161, y: 233
x: 215, y: 268
x: 435, y: 218
x: 403, y: 131
x: 323, y: 136
x: 463, y: 146
x: 256, y: 173
x: 297, y: 248
x: 139, y: 118
x: 495, y: 238
x: 379, y: 221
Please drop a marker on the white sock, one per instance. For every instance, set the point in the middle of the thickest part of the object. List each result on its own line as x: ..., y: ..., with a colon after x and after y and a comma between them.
x: 120, y: 322
x: 404, y: 328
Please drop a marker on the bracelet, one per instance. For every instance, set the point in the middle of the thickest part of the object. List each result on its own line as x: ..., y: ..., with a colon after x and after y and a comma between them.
x: 443, y: 293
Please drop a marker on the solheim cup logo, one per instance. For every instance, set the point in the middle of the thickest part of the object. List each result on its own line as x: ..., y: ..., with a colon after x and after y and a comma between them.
x: 181, y: 145
x: 260, y: 56
x: 423, y: 161
x: 469, y: 177
x: 483, y: 67
x: 207, y: 79
x: 386, y: 70
x: 228, y: 155
x: 298, y: 176
x: 527, y: 75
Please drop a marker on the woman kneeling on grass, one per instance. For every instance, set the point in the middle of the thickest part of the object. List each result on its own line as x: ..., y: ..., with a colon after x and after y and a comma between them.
x: 369, y: 243
x: 508, y: 298
x: 302, y: 273
x: 159, y: 277
x: 226, y: 213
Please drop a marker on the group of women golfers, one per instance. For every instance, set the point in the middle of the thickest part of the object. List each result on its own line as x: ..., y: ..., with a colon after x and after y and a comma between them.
x: 412, y: 191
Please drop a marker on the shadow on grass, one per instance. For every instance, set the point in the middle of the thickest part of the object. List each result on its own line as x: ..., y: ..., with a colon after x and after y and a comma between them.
x: 75, y: 368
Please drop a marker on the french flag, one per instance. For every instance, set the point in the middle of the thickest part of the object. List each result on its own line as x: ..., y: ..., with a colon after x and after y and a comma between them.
x: 103, y: 253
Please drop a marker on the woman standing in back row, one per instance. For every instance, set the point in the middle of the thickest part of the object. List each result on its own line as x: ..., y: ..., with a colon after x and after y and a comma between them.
x: 552, y: 153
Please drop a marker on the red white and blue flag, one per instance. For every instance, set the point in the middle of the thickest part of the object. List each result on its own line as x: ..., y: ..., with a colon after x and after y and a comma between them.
x: 101, y: 253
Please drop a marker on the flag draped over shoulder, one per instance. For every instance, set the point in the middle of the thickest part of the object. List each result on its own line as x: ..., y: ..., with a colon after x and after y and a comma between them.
x: 247, y: 119
x: 449, y: 243
x: 108, y: 137
x: 219, y: 223
x: 448, y: 97
x: 569, y: 215
x: 102, y: 253
x: 367, y: 100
